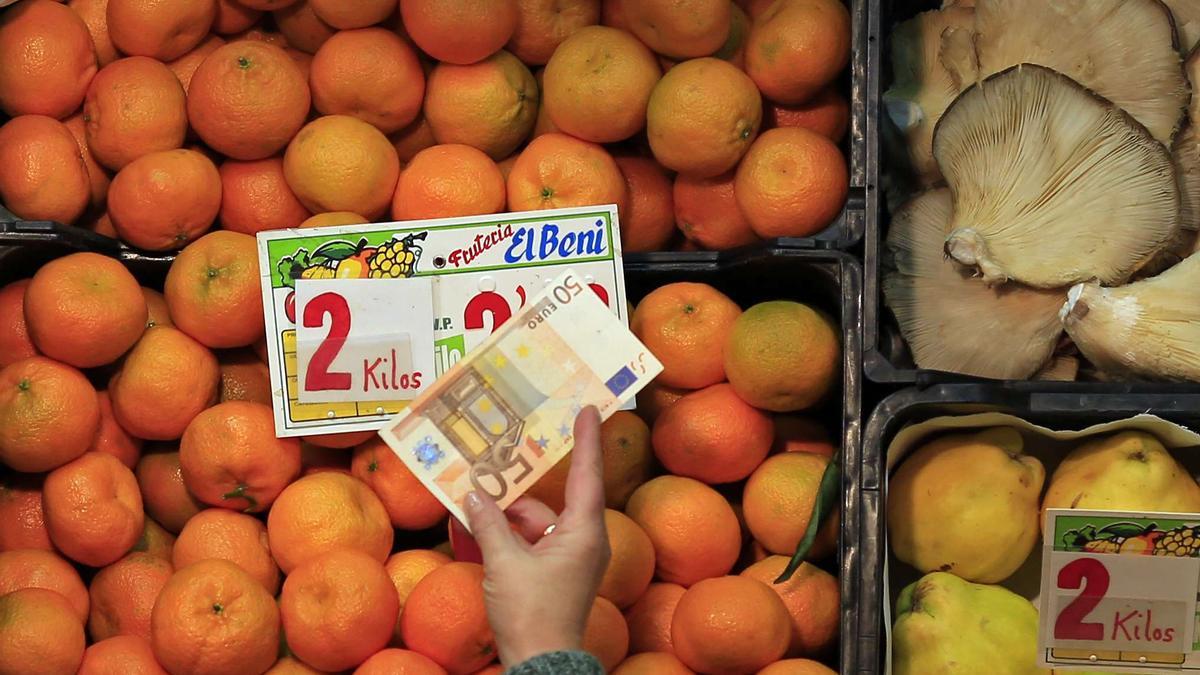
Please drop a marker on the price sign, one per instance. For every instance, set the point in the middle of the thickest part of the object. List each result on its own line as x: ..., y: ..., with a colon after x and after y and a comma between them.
x: 480, y: 270
x: 364, y: 339
x: 1119, y: 591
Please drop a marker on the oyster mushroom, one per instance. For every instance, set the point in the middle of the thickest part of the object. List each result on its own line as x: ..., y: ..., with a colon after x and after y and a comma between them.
x: 923, y: 86
x: 1187, y: 22
x: 1150, y: 328
x: 953, y: 321
x: 1124, y: 50
x: 1053, y: 185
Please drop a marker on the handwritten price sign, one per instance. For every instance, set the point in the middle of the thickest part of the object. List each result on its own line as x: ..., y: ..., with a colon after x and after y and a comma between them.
x: 1119, y: 591
x: 345, y: 350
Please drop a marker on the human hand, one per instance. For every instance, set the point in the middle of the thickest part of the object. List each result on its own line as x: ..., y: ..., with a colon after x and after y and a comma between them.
x: 539, y: 594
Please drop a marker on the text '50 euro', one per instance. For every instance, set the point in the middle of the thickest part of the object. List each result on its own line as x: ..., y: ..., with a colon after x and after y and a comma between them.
x: 504, y: 415
x: 1119, y: 591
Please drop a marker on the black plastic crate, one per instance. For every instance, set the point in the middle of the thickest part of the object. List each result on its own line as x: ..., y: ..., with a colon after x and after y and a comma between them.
x: 1057, y: 405
x: 829, y: 280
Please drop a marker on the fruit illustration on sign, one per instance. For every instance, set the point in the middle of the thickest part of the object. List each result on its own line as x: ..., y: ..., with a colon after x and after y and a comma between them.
x: 394, y: 259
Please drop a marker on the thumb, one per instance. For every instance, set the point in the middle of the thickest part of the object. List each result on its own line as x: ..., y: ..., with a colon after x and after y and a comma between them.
x: 488, y: 526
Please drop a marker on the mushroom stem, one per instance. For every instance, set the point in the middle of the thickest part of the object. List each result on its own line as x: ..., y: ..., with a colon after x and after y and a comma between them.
x: 970, y: 249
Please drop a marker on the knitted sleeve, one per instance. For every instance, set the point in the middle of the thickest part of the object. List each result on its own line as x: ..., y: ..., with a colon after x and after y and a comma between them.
x: 559, y: 663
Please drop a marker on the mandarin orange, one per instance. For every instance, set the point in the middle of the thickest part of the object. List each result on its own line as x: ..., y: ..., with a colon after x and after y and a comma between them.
x: 161, y: 29
x: 34, y: 568
x: 228, y: 535
x: 255, y: 197
x: 730, y: 625
x: 680, y: 323
x: 694, y: 530
x: 123, y: 595
x: 36, y: 151
x: 213, y: 290
x: 341, y: 163
x: 707, y: 212
x: 48, y: 638
x: 460, y: 31
x: 134, y: 106
x: 164, y: 382
x: 47, y: 59
x: 371, y: 74
x: 93, y: 509
x: 448, y: 180
x: 490, y: 105
x: 164, y: 200
x: 446, y: 620
x: 326, y: 511
x: 49, y: 414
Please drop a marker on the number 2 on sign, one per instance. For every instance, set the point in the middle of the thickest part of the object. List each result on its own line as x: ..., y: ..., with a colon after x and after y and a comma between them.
x: 491, y: 302
x: 318, y: 377
x: 1093, y: 576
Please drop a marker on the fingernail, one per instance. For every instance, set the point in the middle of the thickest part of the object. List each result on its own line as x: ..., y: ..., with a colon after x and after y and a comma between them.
x: 472, y: 501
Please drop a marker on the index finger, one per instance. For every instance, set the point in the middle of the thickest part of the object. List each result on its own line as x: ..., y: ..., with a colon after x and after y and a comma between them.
x: 585, y: 481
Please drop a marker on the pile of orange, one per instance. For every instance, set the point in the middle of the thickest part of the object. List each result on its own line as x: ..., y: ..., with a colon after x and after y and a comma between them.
x: 150, y: 520
x: 158, y: 121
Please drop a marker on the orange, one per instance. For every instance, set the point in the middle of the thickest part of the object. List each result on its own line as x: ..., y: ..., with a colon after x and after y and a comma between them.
x: 712, y: 435
x: 84, y: 309
x: 255, y: 197
x: 413, y: 139
x: 632, y: 565
x: 40, y: 634
x: 650, y: 618
x: 340, y: 163
x: 14, y: 334
x: 33, y: 568
x: 230, y: 457
x: 288, y: 665
x: 165, y: 381
x: 93, y: 509
x: 792, y: 183
x: 248, y: 99
x: 36, y: 151
x: 22, y: 522
x: 827, y: 113
x: 185, y: 66
x: 797, y: 667
x: 656, y: 398
x: 95, y: 16
x: 680, y: 30
x: 300, y: 25
x: 326, y: 511
x: 597, y: 84
x: 98, y: 177
x: 783, y: 356
x: 409, y: 505
x: 681, y: 323
x: 214, y: 291
x: 445, y: 618
x: 448, y: 180
x: 694, y: 530
x: 708, y: 214
x: 371, y: 74
x: 234, y: 17
x: 47, y: 59
x: 399, y: 662
x: 120, y: 655
x: 346, y: 15
x: 730, y: 625
x: 811, y: 597
x: 245, y: 378
x: 155, y: 540
x: 778, y: 501
x: 407, y: 569
x: 557, y: 171
x: 796, y: 48
x: 102, y: 225
x: 49, y: 414
x: 338, y: 609
x: 459, y: 31
x: 490, y: 105
x: 801, y: 434
x: 332, y: 218
x: 702, y: 117
x: 123, y: 595
x: 542, y: 25
x: 648, y: 221
x: 160, y: 29
x: 606, y: 635
x: 134, y: 106
x: 112, y: 439
x: 232, y: 536
x: 543, y: 125
x: 628, y: 462
x: 340, y: 441
x: 164, y: 495
x: 210, y: 603
x: 652, y: 663
x: 163, y: 200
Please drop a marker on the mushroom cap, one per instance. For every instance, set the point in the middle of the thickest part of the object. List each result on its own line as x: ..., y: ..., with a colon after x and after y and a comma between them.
x: 1124, y: 50
x: 1185, y: 152
x: 1053, y: 185
x: 1187, y: 22
x: 1150, y: 328
x: 923, y: 85
x: 952, y: 320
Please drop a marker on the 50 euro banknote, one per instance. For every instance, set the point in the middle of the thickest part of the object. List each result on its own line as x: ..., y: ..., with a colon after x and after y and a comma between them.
x: 504, y: 415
